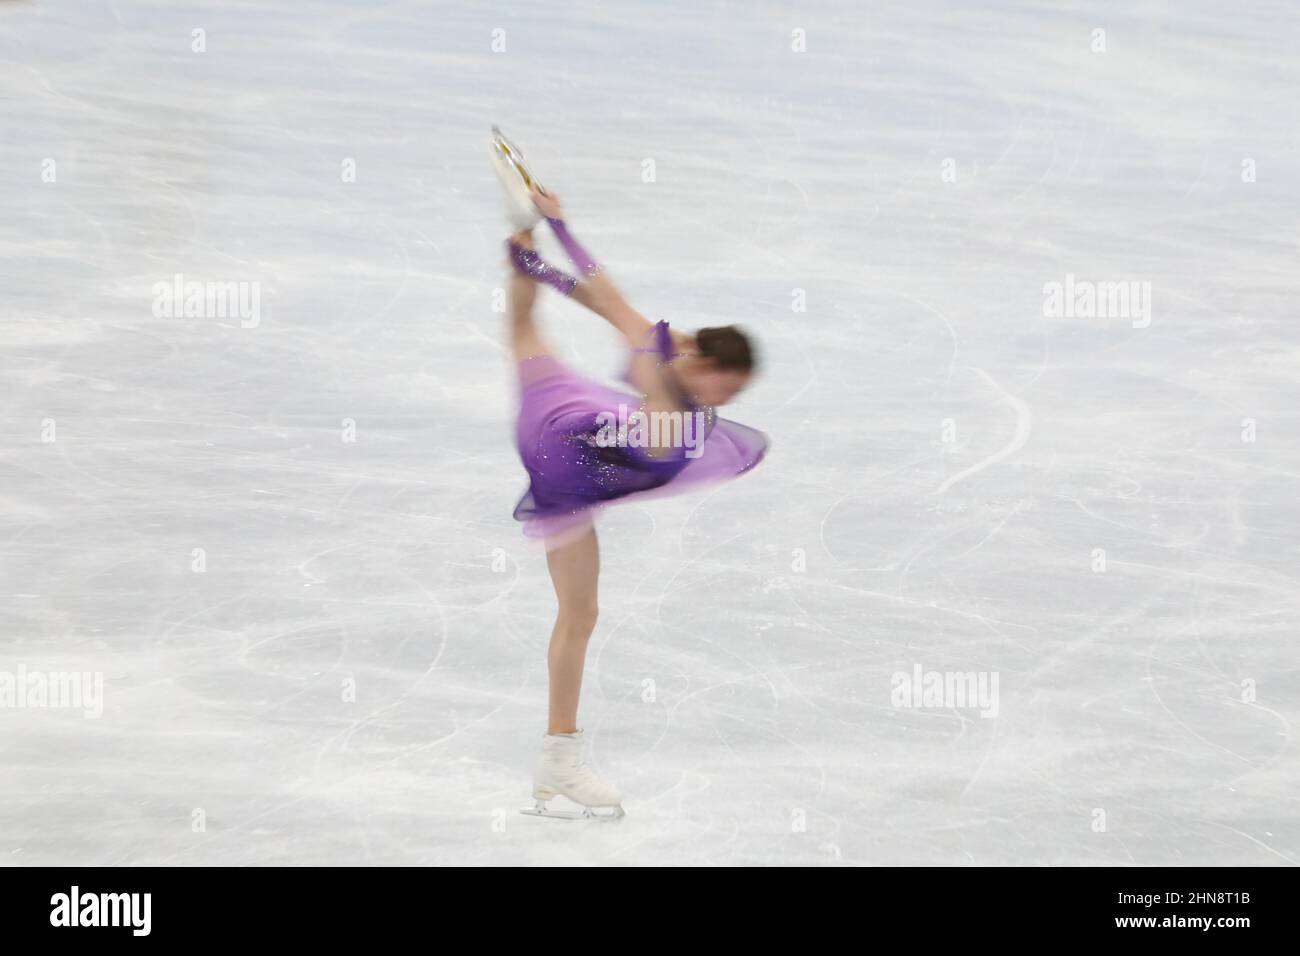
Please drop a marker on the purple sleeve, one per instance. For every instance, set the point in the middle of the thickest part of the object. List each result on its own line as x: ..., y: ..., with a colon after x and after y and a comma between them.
x: 581, y: 257
x: 663, y: 342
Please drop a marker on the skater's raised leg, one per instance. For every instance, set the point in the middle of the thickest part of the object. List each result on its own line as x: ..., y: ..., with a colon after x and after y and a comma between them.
x: 525, y: 340
x: 528, y: 263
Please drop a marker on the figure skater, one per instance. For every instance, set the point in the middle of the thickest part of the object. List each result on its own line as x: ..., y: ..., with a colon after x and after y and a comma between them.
x: 582, y: 453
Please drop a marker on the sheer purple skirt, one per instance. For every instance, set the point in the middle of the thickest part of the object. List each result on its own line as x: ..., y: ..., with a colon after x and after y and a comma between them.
x: 570, y: 481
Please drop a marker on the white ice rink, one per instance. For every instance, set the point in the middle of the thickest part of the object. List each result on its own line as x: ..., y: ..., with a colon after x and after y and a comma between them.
x: 1099, y: 511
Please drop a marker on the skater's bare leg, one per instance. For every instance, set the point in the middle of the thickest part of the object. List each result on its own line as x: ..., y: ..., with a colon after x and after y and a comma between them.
x: 575, y: 569
x: 525, y: 339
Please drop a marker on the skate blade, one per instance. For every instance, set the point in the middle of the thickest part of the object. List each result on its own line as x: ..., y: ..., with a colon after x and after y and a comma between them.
x: 510, y: 153
x: 540, y: 809
x: 515, y: 184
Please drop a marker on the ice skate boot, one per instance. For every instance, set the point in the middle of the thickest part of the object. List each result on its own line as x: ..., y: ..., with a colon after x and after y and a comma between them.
x: 562, y: 771
x: 517, y: 182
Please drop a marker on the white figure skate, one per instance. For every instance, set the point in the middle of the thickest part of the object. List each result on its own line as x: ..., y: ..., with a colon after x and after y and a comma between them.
x: 562, y: 771
x: 517, y: 181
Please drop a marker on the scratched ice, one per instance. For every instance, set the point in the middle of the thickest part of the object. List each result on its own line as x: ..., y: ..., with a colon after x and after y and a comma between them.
x: 324, y: 650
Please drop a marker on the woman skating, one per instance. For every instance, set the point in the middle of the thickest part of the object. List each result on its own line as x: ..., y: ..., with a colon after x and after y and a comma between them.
x: 586, y: 446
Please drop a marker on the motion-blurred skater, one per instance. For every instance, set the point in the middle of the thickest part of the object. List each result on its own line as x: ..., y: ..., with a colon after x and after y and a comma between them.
x: 586, y: 445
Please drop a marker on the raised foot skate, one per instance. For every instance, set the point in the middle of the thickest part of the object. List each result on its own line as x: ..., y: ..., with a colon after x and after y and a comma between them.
x: 539, y: 809
x: 517, y: 182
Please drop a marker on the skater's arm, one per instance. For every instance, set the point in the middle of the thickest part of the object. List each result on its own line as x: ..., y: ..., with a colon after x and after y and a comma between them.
x: 598, y: 293
x: 594, y: 288
x: 602, y: 297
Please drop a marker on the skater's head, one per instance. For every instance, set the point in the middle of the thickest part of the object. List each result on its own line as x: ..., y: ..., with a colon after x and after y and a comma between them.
x: 723, y: 364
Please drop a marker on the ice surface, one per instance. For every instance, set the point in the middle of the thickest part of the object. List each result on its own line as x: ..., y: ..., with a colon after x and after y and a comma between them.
x: 948, y: 461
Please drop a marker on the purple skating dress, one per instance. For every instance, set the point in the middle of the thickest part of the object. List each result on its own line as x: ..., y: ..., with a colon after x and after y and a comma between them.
x: 564, y: 431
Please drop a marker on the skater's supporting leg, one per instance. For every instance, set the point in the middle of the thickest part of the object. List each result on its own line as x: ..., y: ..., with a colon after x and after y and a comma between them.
x: 525, y: 340
x: 575, y: 569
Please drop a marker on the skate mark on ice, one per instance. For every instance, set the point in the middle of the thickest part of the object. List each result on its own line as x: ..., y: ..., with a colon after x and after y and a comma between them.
x: 1260, y: 843
x: 658, y: 615
x: 681, y: 531
x: 933, y: 606
x: 368, y: 770
x: 301, y: 567
x: 1289, y: 591
x: 360, y: 722
x: 814, y: 378
x: 1151, y: 685
x: 874, y: 479
x: 952, y: 333
x: 984, y: 759
x: 932, y: 545
x: 741, y: 679
x: 1015, y: 510
x: 1024, y: 422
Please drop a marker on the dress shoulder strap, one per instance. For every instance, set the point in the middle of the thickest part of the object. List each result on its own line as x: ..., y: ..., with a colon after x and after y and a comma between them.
x: 666, y: 349
x: 663, y: 342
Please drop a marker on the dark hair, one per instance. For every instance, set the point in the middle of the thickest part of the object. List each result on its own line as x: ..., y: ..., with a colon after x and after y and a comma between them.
x: 728, y: 347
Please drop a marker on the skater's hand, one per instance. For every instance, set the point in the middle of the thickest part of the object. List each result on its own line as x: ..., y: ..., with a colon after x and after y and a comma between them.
x: 548, y: 204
